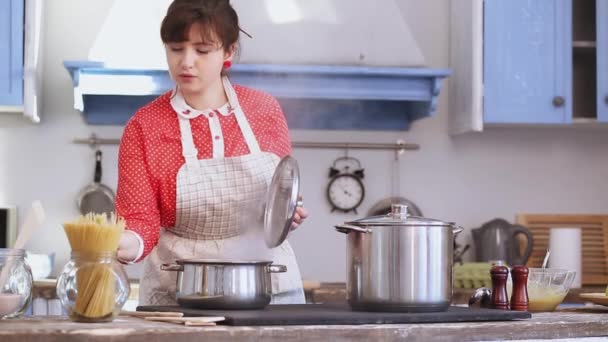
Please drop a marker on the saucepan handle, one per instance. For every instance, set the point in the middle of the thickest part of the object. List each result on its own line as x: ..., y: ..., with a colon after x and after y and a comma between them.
x: 277, y: 269
x: 171, y: 267
x: 347, y: 228
x: 456, y: 229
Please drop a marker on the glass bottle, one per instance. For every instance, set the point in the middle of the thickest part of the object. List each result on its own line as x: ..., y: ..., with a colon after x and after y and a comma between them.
x: 16, y: 283
x: 93, y: 287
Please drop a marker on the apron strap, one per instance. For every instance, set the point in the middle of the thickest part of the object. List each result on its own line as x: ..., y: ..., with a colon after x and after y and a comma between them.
x: 189, y: 151
x: 250, y: 139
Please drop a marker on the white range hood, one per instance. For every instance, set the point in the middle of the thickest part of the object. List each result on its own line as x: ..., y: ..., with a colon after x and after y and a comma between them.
x: 309, y: 32
x: 332, y: 64
x: 327, y: 32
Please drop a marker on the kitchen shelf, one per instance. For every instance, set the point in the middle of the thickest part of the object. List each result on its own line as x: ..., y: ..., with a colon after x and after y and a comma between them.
x: 312, y: 96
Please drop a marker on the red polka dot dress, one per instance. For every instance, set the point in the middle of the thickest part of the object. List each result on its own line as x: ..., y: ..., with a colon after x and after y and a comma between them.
x: 151, y: 154
x: 203, y: 176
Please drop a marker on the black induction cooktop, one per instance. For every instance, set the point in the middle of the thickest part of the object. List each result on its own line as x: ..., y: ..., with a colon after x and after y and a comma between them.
x: 341, y: 314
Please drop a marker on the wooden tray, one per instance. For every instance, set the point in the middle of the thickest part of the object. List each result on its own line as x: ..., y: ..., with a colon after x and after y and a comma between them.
x: 594, y: 240
x: 595, y: 298
x: 341, y: 314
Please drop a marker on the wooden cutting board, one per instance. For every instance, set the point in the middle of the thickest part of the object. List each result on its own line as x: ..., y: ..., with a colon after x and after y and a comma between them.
x: 594, y: 240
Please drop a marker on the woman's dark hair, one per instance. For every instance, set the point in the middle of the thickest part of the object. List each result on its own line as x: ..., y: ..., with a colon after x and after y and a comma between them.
x: 218, y: 20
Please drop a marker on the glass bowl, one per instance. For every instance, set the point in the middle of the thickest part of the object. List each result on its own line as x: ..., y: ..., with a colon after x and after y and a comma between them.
x: 548, y: 287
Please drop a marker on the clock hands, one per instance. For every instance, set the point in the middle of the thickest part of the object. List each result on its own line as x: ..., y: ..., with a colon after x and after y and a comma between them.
x: 346, y: 192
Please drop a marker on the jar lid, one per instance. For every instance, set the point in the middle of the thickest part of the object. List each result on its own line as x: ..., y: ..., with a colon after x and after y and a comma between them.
x: 281, y: 201
x: 399, y: 217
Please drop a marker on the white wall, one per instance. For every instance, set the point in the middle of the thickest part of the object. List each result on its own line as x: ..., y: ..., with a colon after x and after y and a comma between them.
x: 467, y: 179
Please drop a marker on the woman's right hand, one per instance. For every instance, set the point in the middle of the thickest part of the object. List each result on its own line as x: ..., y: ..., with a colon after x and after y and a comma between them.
x: 128, y: 247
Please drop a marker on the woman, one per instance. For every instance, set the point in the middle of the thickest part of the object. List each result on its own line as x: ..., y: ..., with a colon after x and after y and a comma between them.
x: 197, y: 158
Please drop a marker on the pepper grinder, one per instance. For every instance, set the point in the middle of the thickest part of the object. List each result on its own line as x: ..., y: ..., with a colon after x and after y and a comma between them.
x: 500, y: 299
x: 519, y: 298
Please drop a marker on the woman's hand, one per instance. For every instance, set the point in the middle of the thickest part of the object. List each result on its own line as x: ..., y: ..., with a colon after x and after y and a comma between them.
x: 299, y: 217
x: 128, y: 247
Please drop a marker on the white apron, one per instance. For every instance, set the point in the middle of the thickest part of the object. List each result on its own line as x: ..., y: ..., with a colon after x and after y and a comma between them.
x: 218, y: 212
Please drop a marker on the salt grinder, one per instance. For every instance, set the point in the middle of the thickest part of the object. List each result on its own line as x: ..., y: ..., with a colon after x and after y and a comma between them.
x: 519, y: 299
x: 500, y: 299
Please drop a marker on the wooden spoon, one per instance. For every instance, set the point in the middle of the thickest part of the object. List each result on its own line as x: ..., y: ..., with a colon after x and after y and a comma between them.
x: 143, y: 314
x: 34, y: 219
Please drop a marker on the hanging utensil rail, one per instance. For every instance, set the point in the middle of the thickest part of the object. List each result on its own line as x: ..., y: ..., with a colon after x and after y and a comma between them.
x: 400, y: 146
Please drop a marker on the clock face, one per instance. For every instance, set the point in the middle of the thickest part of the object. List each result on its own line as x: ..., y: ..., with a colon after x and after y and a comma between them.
x: 345, y: 192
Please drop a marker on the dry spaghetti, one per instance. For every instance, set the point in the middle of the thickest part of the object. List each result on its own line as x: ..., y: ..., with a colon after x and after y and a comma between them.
x: 93, y: 239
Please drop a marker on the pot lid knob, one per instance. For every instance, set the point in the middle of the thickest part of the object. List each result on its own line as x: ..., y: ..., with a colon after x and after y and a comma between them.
x: 399, y: 211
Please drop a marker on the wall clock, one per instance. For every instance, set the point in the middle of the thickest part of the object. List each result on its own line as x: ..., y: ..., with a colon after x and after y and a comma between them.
x: 345, y: 190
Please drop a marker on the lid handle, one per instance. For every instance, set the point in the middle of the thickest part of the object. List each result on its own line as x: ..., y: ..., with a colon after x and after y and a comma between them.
x: 277, y: 268
x: 399, y: 211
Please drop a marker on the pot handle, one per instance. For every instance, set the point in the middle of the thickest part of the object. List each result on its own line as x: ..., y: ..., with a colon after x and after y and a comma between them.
x: 171, y: 267
x: 347, y: 228
x: 277, y: 268
x: 456, y: 229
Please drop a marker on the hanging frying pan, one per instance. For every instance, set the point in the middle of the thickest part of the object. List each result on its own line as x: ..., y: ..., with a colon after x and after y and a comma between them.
x: 96, y: 197
x: 383, y: 206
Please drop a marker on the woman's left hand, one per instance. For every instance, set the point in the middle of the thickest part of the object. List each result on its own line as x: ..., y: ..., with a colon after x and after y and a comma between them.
x: 299, y: 217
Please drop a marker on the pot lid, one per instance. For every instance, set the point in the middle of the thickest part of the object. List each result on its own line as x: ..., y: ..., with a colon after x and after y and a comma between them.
x: 281, y: 201
x: 399, y: 217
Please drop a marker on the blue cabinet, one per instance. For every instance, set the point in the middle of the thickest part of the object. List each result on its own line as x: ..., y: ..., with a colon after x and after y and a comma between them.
x: 527, y: 62
x: 11, y: 52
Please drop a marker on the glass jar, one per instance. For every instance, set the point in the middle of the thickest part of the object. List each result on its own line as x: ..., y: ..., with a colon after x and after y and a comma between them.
x: 16, y: 283
x: 93, y: 287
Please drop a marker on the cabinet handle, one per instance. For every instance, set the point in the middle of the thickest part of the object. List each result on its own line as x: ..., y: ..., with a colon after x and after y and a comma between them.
x: 559, y: 101
x: 606, y: 100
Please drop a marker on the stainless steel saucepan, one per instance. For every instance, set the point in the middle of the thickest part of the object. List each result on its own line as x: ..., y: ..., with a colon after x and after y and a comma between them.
x: 397, y: 262
x: 219, y: 284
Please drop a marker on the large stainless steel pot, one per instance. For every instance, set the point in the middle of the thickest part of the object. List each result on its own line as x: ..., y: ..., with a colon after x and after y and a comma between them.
x: 397, y: 262
x: 218, y: 284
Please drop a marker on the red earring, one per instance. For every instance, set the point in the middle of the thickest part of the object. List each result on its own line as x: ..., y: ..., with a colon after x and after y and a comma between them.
x: 227, y: 64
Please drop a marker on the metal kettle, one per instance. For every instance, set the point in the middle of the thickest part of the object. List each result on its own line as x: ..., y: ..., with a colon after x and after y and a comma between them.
x: 496, y: 240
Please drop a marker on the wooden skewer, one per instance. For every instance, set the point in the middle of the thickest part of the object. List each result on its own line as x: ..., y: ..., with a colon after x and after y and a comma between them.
x: 186, y: 319
x: 194, y: 324
x: 186, y: 323
x: 144, y: 314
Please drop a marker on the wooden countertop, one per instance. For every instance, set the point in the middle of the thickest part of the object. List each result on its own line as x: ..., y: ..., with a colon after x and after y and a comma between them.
x: 587, y: 322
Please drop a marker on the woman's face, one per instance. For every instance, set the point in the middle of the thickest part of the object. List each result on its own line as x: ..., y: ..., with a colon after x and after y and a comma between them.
x: 194, y: 64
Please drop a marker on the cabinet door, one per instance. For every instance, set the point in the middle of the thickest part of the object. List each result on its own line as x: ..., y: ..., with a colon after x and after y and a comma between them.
x: 11, y: 52
x: 602, y: 59
x: 527, y: 61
